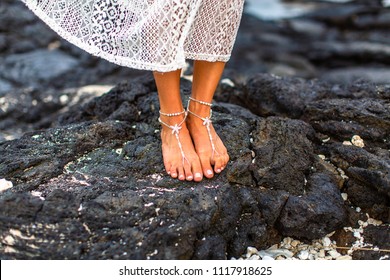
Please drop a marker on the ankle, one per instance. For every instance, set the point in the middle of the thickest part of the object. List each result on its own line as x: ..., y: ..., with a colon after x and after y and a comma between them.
x: 199, y: 107
x: 173, y: 119
x: 191, y: 119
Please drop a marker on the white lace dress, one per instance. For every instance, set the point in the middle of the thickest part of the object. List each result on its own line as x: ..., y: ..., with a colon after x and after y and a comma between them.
x: 146, y: 34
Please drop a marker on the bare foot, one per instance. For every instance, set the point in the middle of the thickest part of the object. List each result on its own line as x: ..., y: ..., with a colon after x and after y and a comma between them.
x: 208, y: 158
x: 180, y: 162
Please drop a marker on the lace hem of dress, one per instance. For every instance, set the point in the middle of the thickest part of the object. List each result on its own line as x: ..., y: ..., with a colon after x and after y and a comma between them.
x: 122, y: 61
x: 180, y: 53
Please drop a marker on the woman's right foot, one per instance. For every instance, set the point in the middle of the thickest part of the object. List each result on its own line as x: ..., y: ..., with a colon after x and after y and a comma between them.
x: 180, y: 159
x: 212, y: 153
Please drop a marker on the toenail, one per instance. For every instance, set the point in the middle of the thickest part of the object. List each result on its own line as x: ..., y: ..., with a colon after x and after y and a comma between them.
x: 209, y: 172
x: 218, y: 170
x: 189, y: 178
x: 198, y: 175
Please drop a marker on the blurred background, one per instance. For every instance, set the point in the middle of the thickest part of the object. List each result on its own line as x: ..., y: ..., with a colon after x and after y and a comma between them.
x: 336, y: 41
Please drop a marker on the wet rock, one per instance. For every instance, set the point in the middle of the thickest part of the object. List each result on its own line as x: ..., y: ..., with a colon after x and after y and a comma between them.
x: 37, y: 66
x: 5, y: 86
x: 14, y: 15
x: 349, y: 75
x: 358, y: 51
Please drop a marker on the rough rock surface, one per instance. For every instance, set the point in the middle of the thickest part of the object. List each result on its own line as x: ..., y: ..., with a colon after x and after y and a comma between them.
x: 93, y: 186
x: 86, y: 167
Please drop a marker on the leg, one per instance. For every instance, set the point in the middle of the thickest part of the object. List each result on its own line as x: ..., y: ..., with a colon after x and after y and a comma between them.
x: 205, y: 81
x: 180, y: 158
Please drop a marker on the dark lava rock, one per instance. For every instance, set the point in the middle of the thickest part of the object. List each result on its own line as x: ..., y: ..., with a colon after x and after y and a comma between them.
x: 268, y: 95
x: 321, y: 201
x: 367, y: 117
x: 283, y: 154
x: 88, y: 176
x: 93, y: 186
x: 377, y: 236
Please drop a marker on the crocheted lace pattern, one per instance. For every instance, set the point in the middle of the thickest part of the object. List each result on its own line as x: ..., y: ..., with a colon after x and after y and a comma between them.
x: 154, y: 35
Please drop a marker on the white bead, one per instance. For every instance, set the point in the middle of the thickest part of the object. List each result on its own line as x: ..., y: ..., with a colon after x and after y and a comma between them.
x: 172, y: 114
x: 201, y: 102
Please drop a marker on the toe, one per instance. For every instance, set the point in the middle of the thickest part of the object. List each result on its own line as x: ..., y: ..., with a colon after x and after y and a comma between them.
x: 206, y: 166
x: 188, y: 173
x: 182, y: 175
x: 198, y: 176
x: 167, y: 168
x: 226, y: 160
x: 197, y: 170
x: 173, y: 172
x: 218, y: 164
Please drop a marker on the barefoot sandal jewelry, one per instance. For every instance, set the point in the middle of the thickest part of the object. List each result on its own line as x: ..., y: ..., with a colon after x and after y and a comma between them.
x: 176, y: 129
x: 206, y: 121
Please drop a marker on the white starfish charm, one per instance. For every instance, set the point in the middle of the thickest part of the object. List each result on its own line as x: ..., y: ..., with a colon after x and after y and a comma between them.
x: 206, y: 121
x: 175, y: 129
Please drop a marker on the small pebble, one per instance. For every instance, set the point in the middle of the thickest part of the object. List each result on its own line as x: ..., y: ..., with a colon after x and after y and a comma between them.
x: 302, y: 247
x: 251, y: 251
x: 254, y: 257
x: 228, y: 82
x: 5, y: 185
x: 287, y: 240
x: 295, y: 243
x: 357, y: 141
x: 344, y: 196
x: 64, y: 99
x: 303, y: 255
x: 268, y: 258
x: 334, y: 254
x: 326, y: 241
x: 9, y: 240
x: 374, y: 222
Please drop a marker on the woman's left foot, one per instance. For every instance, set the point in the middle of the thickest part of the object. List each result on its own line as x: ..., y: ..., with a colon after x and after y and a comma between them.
x: 212, y: 152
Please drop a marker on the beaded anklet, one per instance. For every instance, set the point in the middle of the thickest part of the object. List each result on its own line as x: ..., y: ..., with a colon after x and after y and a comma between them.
x: 176, y: 130
x: 206, y: 121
